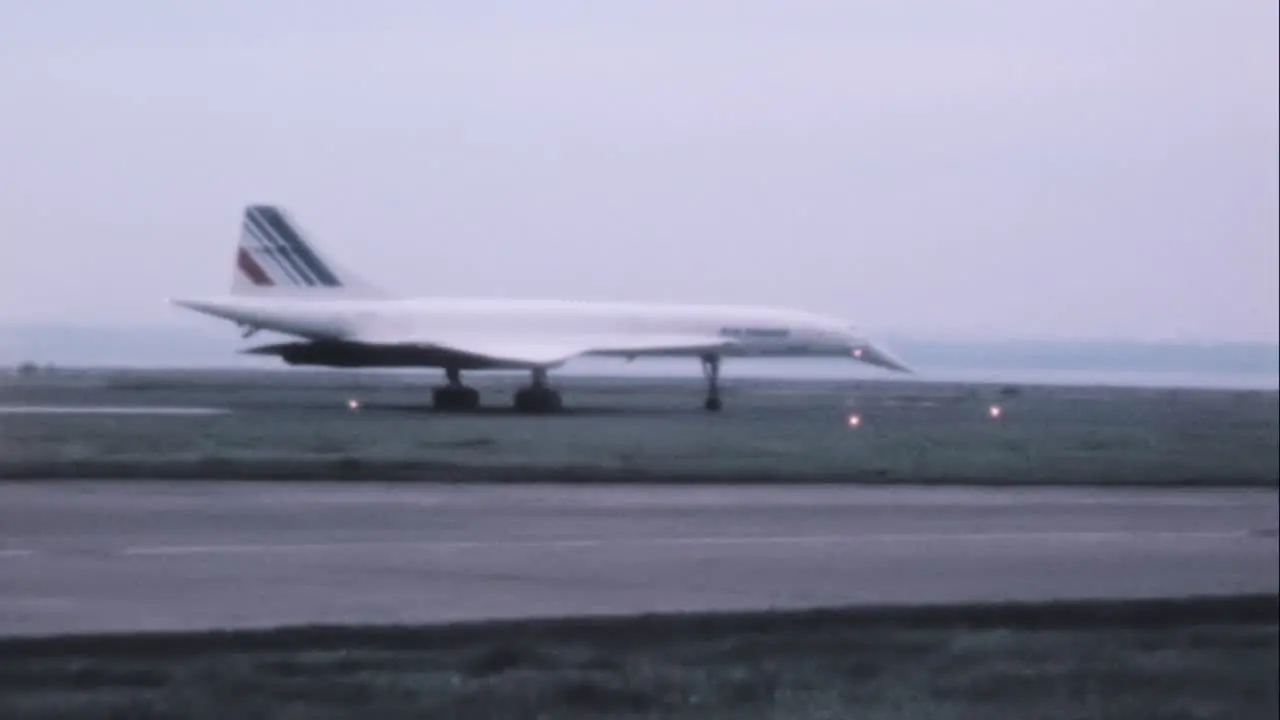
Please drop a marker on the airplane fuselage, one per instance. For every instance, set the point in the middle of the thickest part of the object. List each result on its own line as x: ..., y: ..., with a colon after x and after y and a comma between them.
x: 758, y: 332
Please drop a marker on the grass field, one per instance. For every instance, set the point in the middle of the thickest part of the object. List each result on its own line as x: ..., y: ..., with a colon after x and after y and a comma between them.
x: 298, y: 425
x: 1150, y: 659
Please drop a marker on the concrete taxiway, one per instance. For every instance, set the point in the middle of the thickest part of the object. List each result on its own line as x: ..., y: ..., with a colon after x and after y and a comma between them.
x: 107, y: 556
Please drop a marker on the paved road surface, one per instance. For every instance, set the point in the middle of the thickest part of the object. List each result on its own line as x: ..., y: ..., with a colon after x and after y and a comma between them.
x: 88, y: 557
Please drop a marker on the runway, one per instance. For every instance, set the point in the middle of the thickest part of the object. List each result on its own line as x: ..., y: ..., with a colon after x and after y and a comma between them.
x: 103, y: 556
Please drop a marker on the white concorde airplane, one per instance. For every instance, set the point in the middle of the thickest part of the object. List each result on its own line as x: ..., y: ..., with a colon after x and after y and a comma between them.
x: 281, y: 283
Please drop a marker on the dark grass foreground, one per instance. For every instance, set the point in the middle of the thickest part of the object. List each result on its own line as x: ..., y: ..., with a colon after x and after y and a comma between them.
x: 1195, y: 658
x: 298, y: 426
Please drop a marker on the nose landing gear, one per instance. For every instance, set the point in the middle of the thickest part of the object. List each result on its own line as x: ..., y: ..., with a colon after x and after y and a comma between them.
x: 711, y: 371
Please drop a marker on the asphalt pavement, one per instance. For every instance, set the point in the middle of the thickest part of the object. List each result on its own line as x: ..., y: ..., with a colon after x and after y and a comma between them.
x: 123, y: 556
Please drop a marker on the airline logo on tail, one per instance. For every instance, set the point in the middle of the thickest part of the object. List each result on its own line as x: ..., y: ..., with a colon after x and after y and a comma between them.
x: 273, y: 253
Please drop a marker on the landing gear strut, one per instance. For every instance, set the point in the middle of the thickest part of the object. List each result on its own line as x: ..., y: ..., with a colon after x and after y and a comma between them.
x: 711, y: 370
x: 538, y: 397
x: 453, y: 395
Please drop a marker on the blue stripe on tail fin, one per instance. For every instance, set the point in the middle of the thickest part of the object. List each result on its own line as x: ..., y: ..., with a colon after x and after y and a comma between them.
x: 281, y: 243
x: 276, y: 258
x: 289, y: 237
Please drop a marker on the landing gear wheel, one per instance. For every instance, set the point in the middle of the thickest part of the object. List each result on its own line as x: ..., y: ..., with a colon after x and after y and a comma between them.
x: 455, y: 398
x: 713, y: 404
x: 537, y: 400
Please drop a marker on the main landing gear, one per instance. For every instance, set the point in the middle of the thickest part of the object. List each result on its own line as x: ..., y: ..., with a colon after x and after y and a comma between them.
x: 453, y: 396
x: 711, y: 370
x: 538, y: 397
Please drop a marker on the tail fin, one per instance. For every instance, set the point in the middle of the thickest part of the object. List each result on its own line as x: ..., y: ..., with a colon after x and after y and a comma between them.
x: 274, y: 258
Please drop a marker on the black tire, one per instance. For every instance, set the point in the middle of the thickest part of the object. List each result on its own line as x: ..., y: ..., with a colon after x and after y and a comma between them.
x: 537, y: 400
x: 456, y: 399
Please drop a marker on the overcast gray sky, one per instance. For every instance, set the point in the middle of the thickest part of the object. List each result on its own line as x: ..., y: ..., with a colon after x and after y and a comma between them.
x: 1056, y: 168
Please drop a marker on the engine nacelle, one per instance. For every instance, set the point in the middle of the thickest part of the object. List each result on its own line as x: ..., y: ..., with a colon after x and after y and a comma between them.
x: 348, y: 355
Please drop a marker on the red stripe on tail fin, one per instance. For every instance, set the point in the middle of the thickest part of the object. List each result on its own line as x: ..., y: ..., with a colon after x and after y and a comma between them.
x: 252, y: 269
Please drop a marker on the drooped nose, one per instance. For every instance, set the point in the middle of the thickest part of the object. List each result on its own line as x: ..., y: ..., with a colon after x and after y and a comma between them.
x: 876, y: 355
